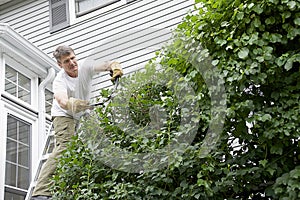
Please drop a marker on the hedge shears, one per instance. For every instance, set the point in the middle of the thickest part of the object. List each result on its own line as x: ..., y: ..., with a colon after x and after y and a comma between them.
x: 111, y: 96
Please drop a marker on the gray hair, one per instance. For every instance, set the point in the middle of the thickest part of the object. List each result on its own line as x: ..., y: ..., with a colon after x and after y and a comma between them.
x: 63, y: 50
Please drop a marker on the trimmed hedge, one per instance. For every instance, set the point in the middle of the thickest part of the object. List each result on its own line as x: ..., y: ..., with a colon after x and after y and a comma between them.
x: 254, y: 53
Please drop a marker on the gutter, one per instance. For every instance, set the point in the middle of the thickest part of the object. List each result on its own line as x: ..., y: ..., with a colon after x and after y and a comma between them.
x: 41, y: 107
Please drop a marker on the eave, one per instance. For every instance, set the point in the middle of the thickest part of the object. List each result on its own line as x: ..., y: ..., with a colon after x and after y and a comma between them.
x: 13, y: 44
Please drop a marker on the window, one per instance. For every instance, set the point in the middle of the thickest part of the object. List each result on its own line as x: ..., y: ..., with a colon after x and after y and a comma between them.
x: 83, y: 6
x: 10, y: 194
x: 59, y: 14
x: 17, y: 165
x: 17, y: 84
x: 48, y: 103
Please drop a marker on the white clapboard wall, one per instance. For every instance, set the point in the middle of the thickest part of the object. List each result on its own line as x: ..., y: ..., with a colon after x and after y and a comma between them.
x: 129, y: 32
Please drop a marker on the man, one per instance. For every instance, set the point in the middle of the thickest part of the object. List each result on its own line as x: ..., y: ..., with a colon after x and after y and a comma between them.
x: 71, y: 88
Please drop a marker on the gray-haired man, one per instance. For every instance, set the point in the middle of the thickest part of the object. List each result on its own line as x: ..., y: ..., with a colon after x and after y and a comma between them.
x: 71, y: 95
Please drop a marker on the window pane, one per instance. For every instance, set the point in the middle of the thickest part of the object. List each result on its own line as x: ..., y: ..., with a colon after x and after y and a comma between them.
x: 12, y: 128
x: 12, y: 196
x: 17, y: 84
x: 49, y: 99
x: 23, y: 158
x: 11, y: 88
x: 24, y: 130
x: 24, y: 82
x: 84, y: 5
x: 10, y: 74
x: 23, y: 178
x: 10, y: 174
x: 11, y: 151
x: 24, y: 94
x: 10, y: 80
x: 50, y: 145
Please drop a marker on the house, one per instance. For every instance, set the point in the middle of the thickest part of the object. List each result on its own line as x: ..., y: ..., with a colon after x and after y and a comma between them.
x: 129, y: 31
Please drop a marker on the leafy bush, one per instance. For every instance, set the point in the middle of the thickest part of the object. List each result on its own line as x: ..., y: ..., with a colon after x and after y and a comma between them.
x: 251, y: 48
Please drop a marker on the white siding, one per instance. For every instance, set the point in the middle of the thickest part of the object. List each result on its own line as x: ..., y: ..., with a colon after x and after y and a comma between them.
x: 129, y: 33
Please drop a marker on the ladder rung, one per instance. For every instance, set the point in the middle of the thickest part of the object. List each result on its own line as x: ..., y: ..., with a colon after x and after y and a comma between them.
x: 51, y: 133
x: 45, y: 157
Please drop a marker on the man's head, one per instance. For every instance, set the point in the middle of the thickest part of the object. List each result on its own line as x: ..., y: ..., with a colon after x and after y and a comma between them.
x: 66, y: 59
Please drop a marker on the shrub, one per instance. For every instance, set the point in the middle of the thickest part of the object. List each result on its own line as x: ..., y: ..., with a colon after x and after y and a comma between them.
x: 251, y: 48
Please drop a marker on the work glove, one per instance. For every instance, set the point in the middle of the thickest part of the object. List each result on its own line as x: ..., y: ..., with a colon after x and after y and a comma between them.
x: 77, y: 105
x: 116, y: 70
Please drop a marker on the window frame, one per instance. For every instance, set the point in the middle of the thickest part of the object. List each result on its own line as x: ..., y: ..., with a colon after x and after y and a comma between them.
x: 9, y: 107
x: 17, y: 85
x: 19, y: 117
x: 12, y: 63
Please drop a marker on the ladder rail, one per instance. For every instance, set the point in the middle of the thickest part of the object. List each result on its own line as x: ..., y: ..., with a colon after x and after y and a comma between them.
x: 43, y: 157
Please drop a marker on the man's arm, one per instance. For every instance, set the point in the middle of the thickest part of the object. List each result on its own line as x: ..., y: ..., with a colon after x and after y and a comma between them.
x: 62, y: 99
x: 72, y: 104
x: 112, y: 66
x: 102, y: 66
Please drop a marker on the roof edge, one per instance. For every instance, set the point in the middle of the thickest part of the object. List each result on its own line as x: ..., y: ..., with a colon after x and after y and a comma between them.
x: 18, y: 44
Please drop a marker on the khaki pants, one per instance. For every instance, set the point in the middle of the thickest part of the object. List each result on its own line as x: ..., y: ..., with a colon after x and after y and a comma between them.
x: 64, y: 128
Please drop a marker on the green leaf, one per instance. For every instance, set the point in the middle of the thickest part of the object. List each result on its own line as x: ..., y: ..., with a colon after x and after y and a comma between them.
x: 295, y: 173
x: 251, y: 5
x: 243, y: 53
x: 266, y: 117
x: 240, y: 15
x: 277, y: 149
x: 291, y: 5
x: 270, y: 20
x: 286, y: 15
x: 263, y: 162
x: 257, y: 22
x: 297, y: 21
x: 258, y: 9
x: 271, y: 171
x: 288, y: 65
x: 215, y: 62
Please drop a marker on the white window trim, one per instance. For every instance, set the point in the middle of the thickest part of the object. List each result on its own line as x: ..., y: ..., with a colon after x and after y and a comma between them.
x: 76, y: 19
x: 5, y: 110
x: 3, y: 129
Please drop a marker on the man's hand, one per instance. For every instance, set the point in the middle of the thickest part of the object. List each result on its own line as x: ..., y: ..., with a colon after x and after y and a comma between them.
x: 77, y: 105
x: 116, y: 70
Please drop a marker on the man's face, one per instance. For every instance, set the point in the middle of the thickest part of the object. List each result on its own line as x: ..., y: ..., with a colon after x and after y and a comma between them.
x: 69, y: 64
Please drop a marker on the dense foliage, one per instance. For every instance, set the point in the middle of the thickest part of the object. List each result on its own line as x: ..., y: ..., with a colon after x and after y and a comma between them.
x: 254, y: 52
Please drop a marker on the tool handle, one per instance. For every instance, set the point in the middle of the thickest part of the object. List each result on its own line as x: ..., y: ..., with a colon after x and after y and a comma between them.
x: 116, y: 83
x: 97, y: 104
